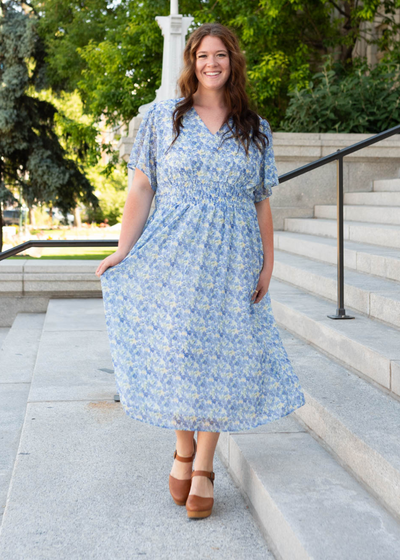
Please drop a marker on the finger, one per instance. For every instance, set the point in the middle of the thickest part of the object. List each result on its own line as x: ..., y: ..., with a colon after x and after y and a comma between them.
x: 254, y: 295
x: 259, y: 297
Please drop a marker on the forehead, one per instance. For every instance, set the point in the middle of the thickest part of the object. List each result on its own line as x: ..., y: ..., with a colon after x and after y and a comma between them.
x: 211, y: 44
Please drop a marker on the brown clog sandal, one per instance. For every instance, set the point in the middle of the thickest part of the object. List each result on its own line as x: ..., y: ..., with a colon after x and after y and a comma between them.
x: 197, y: 506
x: 178, y: 488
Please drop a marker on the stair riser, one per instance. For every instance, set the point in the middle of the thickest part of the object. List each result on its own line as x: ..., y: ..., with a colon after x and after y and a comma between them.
x: 373, y: 198
x: 385, y: 267
x: 376, y: 215
x: 361, y: 234
x: 396, y: 377
x: 392, y: 185
x: 381, y: 477
x: 374, y: 305
x: 369, y: 363
x: 282, y: 540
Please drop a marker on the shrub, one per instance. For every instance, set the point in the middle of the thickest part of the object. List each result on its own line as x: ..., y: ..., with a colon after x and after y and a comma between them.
x: 364, y: 99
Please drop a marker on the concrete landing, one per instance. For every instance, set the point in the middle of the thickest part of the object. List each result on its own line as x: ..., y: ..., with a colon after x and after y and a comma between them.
x: 90, y: 482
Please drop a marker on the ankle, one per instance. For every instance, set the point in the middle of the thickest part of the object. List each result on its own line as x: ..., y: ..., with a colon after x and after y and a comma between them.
x: 203, y: 467
x: 185, y: 451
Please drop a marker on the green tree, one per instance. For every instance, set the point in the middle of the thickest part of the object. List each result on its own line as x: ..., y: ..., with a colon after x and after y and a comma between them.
x: 113, y: 52
x: 32, y: 158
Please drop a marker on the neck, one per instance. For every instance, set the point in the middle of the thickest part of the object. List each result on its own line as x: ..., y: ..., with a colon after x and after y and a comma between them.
x: 209, y: 98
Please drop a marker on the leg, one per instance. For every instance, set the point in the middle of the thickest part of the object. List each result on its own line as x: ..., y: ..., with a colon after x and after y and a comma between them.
x: 206, y: 444
x: 184, y: 447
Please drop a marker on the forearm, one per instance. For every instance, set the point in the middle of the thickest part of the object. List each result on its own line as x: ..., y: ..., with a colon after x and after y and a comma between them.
x: 136, y: 211
x: 266, y: 226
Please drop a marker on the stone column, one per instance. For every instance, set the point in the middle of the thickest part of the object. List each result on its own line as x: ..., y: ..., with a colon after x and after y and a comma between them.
x: 174, y: 28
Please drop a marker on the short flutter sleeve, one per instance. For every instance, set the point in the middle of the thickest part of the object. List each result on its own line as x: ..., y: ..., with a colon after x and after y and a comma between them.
x: 144, y: 151
x: 268, y: 176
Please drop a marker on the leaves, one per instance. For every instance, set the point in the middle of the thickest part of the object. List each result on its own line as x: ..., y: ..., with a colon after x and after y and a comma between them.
x: 364, y: 100
x: 31, y: 155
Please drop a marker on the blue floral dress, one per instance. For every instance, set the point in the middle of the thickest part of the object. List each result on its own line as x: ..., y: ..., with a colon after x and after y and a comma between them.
x: 190, y: 350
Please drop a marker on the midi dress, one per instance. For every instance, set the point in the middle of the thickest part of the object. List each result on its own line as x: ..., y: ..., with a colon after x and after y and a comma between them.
x: 190, y: 350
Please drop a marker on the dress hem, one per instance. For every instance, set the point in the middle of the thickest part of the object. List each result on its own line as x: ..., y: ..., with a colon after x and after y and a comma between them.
x: 230, y: 430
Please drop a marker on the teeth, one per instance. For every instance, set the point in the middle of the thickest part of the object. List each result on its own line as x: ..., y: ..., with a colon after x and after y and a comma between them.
x: 211, y: 73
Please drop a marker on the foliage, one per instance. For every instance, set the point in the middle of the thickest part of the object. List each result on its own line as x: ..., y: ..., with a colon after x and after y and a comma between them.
x: 111, y: 192
x: 364, y: 100
x: 78, y: 133
x: 31, y: 156
x: 113, y: 51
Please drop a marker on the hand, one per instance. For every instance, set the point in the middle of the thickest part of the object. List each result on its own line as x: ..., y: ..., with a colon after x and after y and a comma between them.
x: 111, y: 260
x: 262, y: 286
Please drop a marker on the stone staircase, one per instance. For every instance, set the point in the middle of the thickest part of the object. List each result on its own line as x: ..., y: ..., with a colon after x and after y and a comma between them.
x: 324, y: 482
x: 79, y: 479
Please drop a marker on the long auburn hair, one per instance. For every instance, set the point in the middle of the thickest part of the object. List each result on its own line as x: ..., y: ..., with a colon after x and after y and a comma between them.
x: 246, y: 121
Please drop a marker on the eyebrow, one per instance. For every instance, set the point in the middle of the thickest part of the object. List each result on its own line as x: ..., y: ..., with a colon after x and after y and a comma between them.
x: 220, y: 50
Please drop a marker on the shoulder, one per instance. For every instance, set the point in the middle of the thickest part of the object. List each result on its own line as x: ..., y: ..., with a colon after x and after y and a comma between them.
x: 265, y: 126
x: 166, y: 106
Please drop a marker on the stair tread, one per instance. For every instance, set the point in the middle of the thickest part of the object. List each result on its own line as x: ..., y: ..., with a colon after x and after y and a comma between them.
x: 373, y: 334
x: 351, y: 223
x: 20, y: 346
x: 360, y: 280
x: 351, y: 245
x: 368, y: 206
x: 300, y: 493
x: 370, y: 414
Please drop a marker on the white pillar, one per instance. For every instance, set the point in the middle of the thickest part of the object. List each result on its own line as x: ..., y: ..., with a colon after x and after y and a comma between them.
x: 174, y: 28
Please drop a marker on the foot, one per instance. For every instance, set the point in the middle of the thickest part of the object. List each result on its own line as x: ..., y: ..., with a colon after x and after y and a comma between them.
x: 181, y: 470
x: 202, y: 485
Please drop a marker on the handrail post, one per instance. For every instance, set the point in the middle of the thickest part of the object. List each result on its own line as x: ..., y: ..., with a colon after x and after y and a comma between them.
x: 340, y: 311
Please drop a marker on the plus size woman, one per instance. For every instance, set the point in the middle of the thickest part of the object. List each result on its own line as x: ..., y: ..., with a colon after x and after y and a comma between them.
x: 193, y: 339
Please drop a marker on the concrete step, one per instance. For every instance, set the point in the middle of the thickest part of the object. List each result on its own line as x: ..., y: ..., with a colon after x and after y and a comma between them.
x: 3, y: 334
x: 377, y: 234
x: 374, y: 214
x: 369, y: 347
x: 375, y: 297
x: 309, y: 505
x: 363, y: 257
x: 19, y: 348
x: 380, y: 198
x: 392, y: 185
x: 86, y: 484
x: 356, y: 420
x: 17, y: 360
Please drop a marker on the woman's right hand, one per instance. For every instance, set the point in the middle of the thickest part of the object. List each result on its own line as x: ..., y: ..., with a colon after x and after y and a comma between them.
x: 111, y: 260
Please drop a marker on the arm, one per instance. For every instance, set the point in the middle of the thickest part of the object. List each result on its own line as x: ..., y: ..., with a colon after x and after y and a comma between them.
x: 136, y: 212
x: 265, y: 223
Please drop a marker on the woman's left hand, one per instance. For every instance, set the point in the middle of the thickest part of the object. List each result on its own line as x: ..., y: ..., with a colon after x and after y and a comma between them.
x: 262, y: 286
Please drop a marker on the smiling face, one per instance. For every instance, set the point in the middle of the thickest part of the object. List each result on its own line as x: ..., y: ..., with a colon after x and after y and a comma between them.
x: 212, y: 63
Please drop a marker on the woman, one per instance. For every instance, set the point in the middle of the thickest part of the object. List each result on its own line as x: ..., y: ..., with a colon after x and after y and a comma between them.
x: 193, y: 339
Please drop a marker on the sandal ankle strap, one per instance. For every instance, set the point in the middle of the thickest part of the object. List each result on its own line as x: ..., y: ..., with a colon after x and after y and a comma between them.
x: 208, y: 474
x: 186, y: 459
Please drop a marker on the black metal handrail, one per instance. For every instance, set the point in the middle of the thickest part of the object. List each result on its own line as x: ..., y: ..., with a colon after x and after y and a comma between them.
x: 336, y: 156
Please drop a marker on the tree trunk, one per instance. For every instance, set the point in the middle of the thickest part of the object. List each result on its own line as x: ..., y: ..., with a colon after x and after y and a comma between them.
x: 32, y: 221
x: 77, y: 217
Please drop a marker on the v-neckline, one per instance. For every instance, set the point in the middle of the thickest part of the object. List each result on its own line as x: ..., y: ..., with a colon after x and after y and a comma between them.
x: 205, y: 126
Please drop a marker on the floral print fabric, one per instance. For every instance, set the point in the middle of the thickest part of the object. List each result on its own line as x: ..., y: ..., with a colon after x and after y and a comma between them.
x: 190, y: 350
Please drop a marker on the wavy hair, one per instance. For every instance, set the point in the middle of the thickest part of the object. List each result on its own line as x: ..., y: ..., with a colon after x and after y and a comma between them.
x: 246, y: 123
